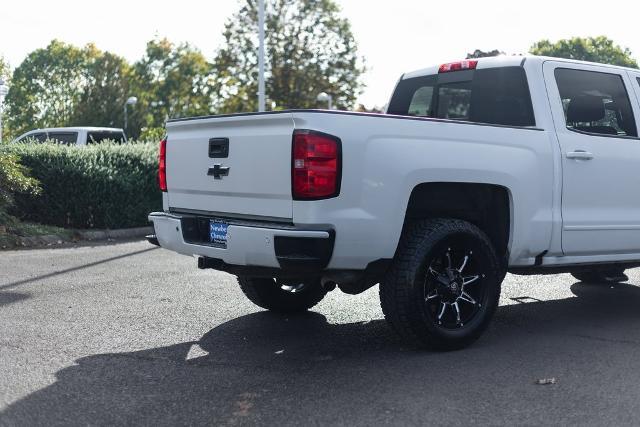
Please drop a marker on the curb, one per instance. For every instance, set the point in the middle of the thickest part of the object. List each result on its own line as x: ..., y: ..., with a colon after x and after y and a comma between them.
x: 83, y: 235
x: 123, y: 233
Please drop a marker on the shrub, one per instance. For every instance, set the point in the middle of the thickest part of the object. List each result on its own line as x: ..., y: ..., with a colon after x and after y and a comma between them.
x: 96, y: 186
x: 13, y: 179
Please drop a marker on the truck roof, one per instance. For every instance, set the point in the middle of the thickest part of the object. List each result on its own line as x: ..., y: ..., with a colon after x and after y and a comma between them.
x: 509, y: 61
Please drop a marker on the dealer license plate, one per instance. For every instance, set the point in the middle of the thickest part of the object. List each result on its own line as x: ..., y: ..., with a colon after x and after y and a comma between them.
x: 218, y: 232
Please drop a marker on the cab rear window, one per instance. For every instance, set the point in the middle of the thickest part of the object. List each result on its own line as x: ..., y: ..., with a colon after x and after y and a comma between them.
x: 497, y: 96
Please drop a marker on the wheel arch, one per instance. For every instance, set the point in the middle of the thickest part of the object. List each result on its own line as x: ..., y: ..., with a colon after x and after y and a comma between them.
x: 488, y: 206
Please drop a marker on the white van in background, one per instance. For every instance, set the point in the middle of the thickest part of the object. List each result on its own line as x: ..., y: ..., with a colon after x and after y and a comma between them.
x: 75, y: 135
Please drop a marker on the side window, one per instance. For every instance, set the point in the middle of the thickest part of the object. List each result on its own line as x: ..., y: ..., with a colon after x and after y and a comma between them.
x: 501, y: 96
x: 68, y: 138
x: 595, y: 102
x: 38, y: 137
x: 99, y: 137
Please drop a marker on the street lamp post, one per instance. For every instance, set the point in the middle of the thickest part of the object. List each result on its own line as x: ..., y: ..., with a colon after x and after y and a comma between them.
x: 261, y: 90
x: 4, y: 89
x: 132, y: 100
x: 325, y: 97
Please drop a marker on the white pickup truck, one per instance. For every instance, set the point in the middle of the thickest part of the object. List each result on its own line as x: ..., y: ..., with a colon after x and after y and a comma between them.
x: 522, y: 164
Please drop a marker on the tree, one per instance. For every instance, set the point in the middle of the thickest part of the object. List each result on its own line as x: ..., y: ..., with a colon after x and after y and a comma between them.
x: 63, y: 85
x: 5, y: 70
x: 309, y: 49
x: 46, y: 88
x: 170, y: 81
x: 361, y: 108
x: 105, y: 90
x: 5, y: 75
x: 595, y: 49
x: 482, y: 54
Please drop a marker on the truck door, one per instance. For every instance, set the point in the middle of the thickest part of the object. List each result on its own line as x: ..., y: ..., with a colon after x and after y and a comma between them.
x: 594, y: 111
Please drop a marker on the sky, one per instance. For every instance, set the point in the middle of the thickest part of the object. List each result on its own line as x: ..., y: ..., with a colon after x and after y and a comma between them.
x: 393, y: 36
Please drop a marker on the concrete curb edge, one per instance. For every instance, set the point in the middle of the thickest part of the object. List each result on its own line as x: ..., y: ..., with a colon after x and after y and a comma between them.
x: 82, y: 235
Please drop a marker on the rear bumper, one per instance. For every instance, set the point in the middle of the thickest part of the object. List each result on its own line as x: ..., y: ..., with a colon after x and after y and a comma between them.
x: 249, y: 244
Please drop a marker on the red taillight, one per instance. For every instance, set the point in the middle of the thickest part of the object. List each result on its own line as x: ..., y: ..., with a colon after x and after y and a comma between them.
x: 458, y: 66
x: 162, y: 166
x: 316, y: 165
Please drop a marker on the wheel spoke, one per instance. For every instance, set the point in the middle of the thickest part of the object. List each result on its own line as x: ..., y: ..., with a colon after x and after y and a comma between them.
x: 444, y: 287
x: 444, y: 307
x: 455, y: 305
x: 464, y: 263
x: 431, y: 296
x: 440, y: 277
x: 467, y: 298
x: 469, y: 279
x: 435, y: 272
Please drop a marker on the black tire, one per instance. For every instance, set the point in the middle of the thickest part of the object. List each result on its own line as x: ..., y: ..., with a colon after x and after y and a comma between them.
x: 407, y: 291
x: 608, y: 275
x: 275, y: 296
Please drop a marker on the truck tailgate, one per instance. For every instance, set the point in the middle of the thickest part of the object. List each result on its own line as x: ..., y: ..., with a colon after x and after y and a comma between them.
x: 258, y: 179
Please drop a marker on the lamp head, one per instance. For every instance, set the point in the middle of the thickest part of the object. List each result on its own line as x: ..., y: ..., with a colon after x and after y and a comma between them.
x: 323, y: 97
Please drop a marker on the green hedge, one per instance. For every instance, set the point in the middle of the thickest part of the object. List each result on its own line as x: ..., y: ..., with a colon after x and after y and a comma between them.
x: 14, y: 178
x: 96, y: 186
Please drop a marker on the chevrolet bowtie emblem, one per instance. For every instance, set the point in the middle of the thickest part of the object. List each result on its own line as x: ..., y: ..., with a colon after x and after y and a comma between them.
x: 218, y: 171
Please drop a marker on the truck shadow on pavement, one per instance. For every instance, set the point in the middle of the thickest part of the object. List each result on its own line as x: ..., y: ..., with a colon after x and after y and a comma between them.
x: 265, y: 368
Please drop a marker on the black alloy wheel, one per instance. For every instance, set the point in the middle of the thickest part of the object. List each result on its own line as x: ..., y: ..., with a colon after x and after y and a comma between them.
x: 444, y: 284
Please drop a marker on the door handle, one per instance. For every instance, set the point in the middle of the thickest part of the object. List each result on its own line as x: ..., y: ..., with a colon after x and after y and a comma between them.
x: 219, y: 148
x: 579, y: 155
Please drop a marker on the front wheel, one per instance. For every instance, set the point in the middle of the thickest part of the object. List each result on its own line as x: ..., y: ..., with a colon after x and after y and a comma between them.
x: 282, y: 296
x: 444, y: 285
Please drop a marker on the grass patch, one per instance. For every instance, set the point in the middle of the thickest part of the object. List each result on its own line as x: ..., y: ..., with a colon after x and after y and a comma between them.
x: 28, y: 229
x: 12, y: 230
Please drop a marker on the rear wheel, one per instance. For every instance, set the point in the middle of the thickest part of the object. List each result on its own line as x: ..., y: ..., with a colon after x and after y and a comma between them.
x: 444, y: 285
x: 607, y: 275
x: 282, y: 296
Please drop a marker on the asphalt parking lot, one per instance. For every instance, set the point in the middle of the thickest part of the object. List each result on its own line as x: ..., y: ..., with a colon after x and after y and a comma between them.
x: 129, y: 334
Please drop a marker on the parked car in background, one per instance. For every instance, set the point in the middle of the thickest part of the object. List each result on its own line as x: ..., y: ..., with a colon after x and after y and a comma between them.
x: 75, y: 135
